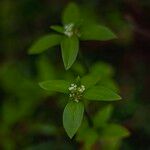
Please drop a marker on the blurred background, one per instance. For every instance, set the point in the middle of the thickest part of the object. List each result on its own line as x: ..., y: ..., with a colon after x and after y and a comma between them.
x: 31, y: 118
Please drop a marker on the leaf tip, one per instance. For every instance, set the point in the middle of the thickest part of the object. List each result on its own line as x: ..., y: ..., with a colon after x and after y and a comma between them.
x: 115, y: 36
x: 70, y: 135
x: 119, y: 97
x: 67, y: 67
x: 41, y: 85
x: 30, y: 52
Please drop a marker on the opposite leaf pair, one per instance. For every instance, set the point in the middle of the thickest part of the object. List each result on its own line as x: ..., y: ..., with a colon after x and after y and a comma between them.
x: 74, y: 29
x: 82, y: 89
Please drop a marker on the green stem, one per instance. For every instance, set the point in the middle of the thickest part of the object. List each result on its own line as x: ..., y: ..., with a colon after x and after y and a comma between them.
x: 85, y: 63
x: 90, y: 122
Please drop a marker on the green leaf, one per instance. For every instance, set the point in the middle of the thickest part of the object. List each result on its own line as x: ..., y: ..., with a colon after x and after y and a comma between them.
x: 83, y: 135
x: 96, y: 32
x: 57, y: 28
x: 102, y: 69
x: 78, y: 68
x: 78, y: 81
x: 101, y: 93
x: 55, y: 85
x: 89, y: 80
x: 111, y: 144
x: 71, y: 14
x: 101, y: 118
x: 72, y: 117
x: 110, y: 84
x: 69, y: 48
x: 88, y: 137
x: 44, y: 43
x: 115, y: 131
x: 10, y: 113
x: 45, y: 69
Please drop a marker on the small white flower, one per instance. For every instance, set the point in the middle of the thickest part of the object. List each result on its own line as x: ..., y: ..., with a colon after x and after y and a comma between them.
x: 83, y: 87
x: 75, y: 86
x: 80, y: 89
x: 72, y: 84
x: 69, y: 29
x: 76, y: 92
x: 76, y: 100
x: 71, y: 88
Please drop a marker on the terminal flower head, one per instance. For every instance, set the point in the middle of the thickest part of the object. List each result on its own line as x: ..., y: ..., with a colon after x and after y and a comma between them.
x: 76, y: 91
x: 69, y: 29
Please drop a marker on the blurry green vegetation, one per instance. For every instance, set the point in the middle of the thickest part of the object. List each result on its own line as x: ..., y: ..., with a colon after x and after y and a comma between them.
x: 23, y: 98
x: 82, y: 89
x: 30, y: 117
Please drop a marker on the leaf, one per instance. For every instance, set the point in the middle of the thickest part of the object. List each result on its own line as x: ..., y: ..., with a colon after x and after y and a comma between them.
x: 71, y: 14
x: 10, y: 113
x: 101, y: 118
x: 57, y: 28
x: 44, y: 43
x: 115, y: 131
x: 78, y: 68
x: 42, y: 128
x: 72, y: 117
x: 101, y: 93
x: 89, y: 80
x: 111, y: 144
x: 89, y: 138
x: 55, y: 85
x: 110, y: 84
x: 102, y: 69
x: 69, y: 48
x: 45, y: 69
x: 83, y: 135
x: 96, y: 32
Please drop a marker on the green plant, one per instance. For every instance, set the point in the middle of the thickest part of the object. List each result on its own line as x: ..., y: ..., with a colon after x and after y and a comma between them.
x: 74, y: 29
x: 85, y: 88
x: 82, y: 89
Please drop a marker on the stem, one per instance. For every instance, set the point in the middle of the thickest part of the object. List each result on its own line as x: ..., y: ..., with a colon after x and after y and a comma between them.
x: 85, y: 63
x: 90, y: 122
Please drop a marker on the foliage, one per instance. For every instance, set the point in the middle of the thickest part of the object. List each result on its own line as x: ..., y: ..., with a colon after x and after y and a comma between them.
x: 74, y: 29
x: 87, y: 88
x: 30, y: 111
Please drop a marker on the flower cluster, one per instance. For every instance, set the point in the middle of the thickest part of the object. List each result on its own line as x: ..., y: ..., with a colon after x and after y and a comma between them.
x: 76, y: 92
x: 69, y: 29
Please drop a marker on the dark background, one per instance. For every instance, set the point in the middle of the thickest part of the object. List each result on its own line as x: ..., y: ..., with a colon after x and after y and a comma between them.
x: 23, y: 21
